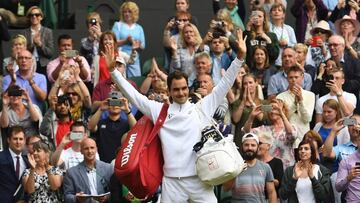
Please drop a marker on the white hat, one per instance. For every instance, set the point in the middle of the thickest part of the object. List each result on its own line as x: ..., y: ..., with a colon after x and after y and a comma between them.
x: 250, y: 136
x: 323, y: 25
x: 120, y: 60
x: 348, y: 18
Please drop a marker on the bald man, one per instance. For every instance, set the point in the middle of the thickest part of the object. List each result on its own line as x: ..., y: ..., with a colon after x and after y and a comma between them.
x: 90, y: 177
x: 27, y: 78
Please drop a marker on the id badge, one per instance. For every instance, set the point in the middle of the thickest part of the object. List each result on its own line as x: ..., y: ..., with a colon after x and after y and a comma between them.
x: 21, y: 10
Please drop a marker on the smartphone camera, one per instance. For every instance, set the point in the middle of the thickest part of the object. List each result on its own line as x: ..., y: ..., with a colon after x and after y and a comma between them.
x: 349, y: 121
x: 15, y: 92
x: 76, y: 136
x: 71, y: 53
x: 328, y: 78
x: 115, y: 102
x: 266, y: 108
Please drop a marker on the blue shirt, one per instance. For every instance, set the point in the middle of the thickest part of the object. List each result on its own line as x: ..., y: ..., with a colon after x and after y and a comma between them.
x: 278, y: 83
x: 324, y: 133
x: 39, y: 80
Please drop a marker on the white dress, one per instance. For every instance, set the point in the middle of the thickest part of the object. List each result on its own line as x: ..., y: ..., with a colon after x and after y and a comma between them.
x: 304, y: 189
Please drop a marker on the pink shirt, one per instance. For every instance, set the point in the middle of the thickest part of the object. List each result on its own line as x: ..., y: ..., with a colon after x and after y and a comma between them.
x: 54, y: 63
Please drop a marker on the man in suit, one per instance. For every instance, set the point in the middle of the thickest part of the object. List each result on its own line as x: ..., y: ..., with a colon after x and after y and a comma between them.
x: 12, y: 165
x: 349, y: 64
x: 90, y: 177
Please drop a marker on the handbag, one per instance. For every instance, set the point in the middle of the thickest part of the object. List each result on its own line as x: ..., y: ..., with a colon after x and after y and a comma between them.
x: 139, y: 163
x: 218, y: 159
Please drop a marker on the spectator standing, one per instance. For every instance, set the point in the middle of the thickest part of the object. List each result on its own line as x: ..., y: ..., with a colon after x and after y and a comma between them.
x: 12, y: 165
x: 306, y: 181
x: 54, y: 67
x: 90, y: 44
x: 349, y: 29
x: 40, y: 39
x: 285, y: 33
x: 18, y: 44
x: 130, y: 34
x: 110, y: 131
x: 299, y: 101
x: 252, y: 183
x: 263, y: 154
x: 16, y: 113
x: 307, y: 14
x: 90, y: 177
x: 348, y: 177
x: 284, y: 134
x: 34, y: 83
x: 42, y: 181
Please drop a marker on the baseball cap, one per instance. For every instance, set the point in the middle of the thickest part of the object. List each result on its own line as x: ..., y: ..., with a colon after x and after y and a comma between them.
x: 250, y: 136
x: 120, y: 60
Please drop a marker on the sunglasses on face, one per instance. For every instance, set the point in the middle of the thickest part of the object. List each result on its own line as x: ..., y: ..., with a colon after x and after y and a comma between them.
x: 34, y: 15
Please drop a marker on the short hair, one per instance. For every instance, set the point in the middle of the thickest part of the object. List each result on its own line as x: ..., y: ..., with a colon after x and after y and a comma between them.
x: 295, y: 68
x: 339, y: 38
x: 133, y: 7
x: 20, y: 38
x: 335, y: 70
x: 187, y: 1
x: 183, y: 13
x: 312, y: 134
x: 16, y: 129
x: 63, y: 36
x: 33, y: 136
x: 288, y: 47
x: 302, y: 47
x: 312, y: 148
x: 92, y: 15
x: 202, y: 54
x: 78, y: 124
x: 176, y: 75
x: 333, y: 104
x: 278, y: 5
x: 32, y: 8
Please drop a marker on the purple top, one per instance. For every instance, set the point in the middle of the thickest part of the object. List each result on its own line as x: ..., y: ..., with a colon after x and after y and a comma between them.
x: 342, y: 184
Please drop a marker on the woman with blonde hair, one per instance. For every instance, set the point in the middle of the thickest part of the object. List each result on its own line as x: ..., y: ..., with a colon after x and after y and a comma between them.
x: 130, y: 36
x: 331, y: 114
x: 18, y: 44
x: 258, y: 33
x: 283, y: 132
x: 182, y: 58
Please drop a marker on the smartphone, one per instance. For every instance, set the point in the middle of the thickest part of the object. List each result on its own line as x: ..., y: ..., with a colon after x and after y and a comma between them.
x: 266, y: 108
x: 115, y: 102
x: 115, y: 95
x: 15, y: 92
x: 328, y: 78
x: 349, y: 121
x: 76, y: 136
x: 357, y: 165
x: 71, y: 53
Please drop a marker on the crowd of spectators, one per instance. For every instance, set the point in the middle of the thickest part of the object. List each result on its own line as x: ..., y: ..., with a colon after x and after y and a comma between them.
x: 288, y: 94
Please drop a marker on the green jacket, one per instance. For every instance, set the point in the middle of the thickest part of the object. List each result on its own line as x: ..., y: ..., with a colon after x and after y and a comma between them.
x: 321, y: 187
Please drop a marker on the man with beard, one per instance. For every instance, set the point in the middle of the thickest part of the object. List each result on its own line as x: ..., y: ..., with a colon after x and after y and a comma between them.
x: 57, y: 121
x: 249, y: 186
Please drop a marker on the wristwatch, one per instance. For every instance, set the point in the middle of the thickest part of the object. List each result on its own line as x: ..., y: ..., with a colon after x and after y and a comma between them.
x: 339, y: 94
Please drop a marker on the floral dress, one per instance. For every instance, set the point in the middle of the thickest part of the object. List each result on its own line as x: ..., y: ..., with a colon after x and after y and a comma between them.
x: 43, y: 192
x: 282, y: 146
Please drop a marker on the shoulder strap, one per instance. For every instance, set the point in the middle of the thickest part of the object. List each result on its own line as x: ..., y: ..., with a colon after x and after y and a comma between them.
x: 159, y: 122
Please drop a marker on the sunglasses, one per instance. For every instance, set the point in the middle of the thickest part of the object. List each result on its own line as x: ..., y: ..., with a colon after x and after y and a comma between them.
x: 34, y: 14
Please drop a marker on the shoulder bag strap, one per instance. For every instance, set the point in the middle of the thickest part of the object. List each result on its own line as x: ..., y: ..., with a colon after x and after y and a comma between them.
x: 159, y: 122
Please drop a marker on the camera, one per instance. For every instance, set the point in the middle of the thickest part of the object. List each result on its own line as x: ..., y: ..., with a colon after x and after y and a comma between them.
x: 158, y: 97
x: 357, y: 165
x: 63, y: 99
x: 266, y: 108
x: 349, y: 121
x: 115, y: 102
x: 115, y: 95
x: 93, y: 21
x: 71, y: 53
x: 328, y: 78
x: 76, y: 136
x: 15, y: 92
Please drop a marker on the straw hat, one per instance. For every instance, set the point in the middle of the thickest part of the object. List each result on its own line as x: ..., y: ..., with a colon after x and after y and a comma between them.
x: 348, y: 18
x: 323, y: 25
